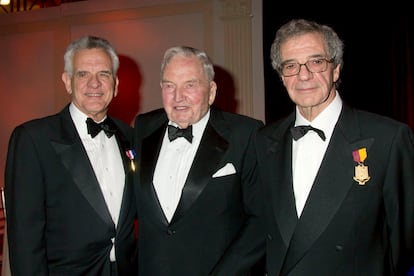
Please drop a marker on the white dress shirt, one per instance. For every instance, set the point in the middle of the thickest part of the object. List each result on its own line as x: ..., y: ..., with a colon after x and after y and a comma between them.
x: 173, y: 165
x: 106, y: 160
x: 308, y: 151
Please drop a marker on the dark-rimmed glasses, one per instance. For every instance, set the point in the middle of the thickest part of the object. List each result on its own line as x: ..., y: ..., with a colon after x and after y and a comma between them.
x: 314, y: 65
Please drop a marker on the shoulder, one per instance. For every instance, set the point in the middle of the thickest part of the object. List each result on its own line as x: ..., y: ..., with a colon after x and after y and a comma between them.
x: 234, y: 119
x: 146, y: 123
x: 39, y: 125
x: 150, y: 117
x: 234, y: 127
x: 375, y: 123
x: 278, y: 127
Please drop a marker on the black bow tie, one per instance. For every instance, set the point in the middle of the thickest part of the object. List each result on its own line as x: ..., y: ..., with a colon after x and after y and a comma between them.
x: 94, y: 128
x: 299, y: 131
x: 175, y: 132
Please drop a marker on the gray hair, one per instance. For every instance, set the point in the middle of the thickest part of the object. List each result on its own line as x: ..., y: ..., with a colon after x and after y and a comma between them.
x: 187, y: 51
x: 89, y: 42
x: 333, y: 44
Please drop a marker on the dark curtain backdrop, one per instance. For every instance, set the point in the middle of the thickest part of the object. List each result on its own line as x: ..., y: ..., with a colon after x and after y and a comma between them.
x: 378, y: 59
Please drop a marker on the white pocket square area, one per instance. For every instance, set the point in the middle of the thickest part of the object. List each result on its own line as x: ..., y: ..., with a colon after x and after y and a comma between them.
x: 226, y: 170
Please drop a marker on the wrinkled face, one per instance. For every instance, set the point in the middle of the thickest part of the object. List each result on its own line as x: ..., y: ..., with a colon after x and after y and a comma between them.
x: 92, y: 85
x: 186, y: 92
x: 306, y: 89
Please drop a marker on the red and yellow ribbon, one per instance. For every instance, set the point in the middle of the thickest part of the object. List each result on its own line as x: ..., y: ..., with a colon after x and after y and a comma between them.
x: 360, y: 155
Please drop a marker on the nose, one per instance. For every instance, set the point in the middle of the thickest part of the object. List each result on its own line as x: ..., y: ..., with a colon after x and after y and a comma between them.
x: 300, y: 67
x: 94, y: 81
x: 304, y: 74
x: 179, y: 94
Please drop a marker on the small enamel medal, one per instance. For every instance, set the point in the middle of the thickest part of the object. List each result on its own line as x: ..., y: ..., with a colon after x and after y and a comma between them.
x: 131, y: 155
x: 361, y: 171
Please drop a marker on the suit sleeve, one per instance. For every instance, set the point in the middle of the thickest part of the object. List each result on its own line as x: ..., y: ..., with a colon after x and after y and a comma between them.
x: 249, y: 245
x: 24, y: 192
x: 398, y: 199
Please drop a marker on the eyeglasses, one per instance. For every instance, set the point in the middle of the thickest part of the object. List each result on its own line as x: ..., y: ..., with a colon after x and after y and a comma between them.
x: 316, y: 65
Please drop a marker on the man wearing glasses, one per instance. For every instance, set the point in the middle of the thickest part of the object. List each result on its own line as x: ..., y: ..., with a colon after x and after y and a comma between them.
x: 338, y: 181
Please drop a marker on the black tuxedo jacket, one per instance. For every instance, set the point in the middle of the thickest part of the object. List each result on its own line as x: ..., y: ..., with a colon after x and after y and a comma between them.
x: 57, y: 218
x: 345, y: 228
x: 216, y: 227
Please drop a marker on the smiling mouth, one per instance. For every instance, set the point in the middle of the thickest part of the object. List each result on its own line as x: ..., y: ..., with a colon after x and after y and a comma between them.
x: 179, y: 108
x: 94, y: 94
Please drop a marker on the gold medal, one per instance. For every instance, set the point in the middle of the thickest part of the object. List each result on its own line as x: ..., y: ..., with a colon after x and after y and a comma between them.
x: 361, y: 171
x: 361, y: 174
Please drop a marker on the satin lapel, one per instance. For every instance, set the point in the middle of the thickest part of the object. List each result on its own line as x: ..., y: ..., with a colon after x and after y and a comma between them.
x: 283, y: 200
x: 210, y: 151
x: 277, y: 174
x: 332, y: 183
x: 74, y: 157
x: 124, y: 145
x: 151, y: 146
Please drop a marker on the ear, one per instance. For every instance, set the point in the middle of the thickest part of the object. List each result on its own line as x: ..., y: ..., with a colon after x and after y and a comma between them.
x: 116, y: 87
x: 67, y: 81
x: 336, y: 73
x: 212, y: 94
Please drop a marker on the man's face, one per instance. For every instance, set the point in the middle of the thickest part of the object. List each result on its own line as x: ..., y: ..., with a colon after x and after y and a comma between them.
x: 92, y: 85
x: 306, y: 89
x: 186, y: 92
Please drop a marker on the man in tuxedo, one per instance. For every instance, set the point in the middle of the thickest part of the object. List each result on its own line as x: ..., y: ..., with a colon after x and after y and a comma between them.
x: 68, y: 181
x: 339, y: 182
x: 198, y: 197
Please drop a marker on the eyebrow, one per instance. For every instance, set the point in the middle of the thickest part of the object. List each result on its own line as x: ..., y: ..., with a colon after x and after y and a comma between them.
x: 308, y: 58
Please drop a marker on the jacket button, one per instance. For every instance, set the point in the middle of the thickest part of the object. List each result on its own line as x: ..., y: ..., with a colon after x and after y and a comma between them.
x: 339, y: 248
x: 170, y: 232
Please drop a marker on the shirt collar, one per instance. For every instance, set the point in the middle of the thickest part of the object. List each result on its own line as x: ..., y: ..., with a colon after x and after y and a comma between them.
x: 326, y: 120
x: 198, y: 128
x: 79, y: 119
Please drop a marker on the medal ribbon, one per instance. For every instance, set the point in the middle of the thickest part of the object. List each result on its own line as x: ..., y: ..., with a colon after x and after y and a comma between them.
x: 131, y: 155
x: 360, y: 155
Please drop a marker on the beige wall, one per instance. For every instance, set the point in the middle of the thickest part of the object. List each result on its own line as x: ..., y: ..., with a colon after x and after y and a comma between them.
x: 32, y: 45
